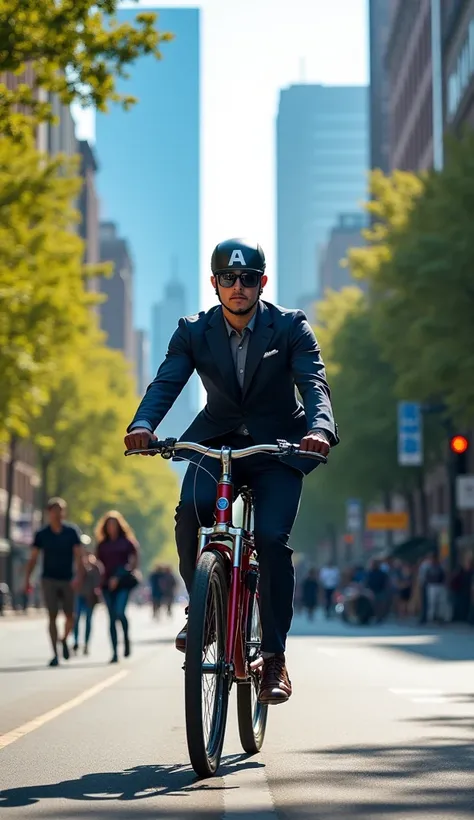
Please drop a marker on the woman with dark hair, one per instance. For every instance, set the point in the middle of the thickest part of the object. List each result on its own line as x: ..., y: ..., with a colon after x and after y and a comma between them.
x: 117, y: 549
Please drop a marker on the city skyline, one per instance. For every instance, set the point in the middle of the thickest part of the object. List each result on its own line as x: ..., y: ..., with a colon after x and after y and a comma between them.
x: 242, y: 75
x: 322, y: 166
x: 149, y: 165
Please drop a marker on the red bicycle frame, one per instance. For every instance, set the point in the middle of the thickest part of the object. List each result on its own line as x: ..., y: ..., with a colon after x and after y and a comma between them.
x: 238, y: 557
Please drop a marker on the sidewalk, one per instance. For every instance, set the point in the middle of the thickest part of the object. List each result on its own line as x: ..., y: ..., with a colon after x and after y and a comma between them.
x: 19, y: 614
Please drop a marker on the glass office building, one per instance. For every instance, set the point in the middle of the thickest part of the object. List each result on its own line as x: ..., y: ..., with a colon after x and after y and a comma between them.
x: 322, y: 163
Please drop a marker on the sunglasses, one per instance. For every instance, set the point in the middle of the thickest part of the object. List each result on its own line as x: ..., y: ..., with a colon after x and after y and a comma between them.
x: 248, y: 279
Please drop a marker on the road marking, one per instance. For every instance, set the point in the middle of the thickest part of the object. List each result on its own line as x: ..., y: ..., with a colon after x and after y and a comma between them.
x: 36, y: 723
x: 429, y: 700
x: 248, y: 792
x: 418, y: 691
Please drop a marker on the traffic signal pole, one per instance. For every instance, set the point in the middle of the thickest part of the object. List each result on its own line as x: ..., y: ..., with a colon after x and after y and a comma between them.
x: 453, y: 511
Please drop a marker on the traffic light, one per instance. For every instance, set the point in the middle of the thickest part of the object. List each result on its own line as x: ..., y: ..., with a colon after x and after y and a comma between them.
x: 459, y: 446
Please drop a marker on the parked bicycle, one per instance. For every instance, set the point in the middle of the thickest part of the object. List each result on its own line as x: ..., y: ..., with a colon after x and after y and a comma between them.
x: 224, y: 627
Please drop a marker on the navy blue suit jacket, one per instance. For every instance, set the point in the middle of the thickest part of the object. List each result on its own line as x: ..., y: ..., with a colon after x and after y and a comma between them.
x: 283, y: 354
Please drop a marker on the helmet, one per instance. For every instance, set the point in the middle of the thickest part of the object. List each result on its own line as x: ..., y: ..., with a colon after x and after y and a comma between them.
x: 237, y: 254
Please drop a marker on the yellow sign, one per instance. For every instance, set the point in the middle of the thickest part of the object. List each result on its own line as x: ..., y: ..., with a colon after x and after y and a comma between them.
x: 386, y: 521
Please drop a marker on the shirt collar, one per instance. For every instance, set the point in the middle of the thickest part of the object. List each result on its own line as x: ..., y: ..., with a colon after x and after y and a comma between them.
x: 250, y: 326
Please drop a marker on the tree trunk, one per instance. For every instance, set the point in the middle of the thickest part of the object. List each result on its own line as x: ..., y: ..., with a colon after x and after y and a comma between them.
x: 44, y: 492
x: 410, y: 502
x: 387, y: 500
x: 423, y: 503
x: 8, y: 511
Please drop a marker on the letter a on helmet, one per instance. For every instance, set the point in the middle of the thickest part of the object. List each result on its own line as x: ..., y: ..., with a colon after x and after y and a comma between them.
x: 237, y: 256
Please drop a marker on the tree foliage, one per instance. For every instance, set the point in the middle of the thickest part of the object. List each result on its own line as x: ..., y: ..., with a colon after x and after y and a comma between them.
x: 43, y: 302
x: 79, y: 436
x: 422, y: 284
x: 75, y: 48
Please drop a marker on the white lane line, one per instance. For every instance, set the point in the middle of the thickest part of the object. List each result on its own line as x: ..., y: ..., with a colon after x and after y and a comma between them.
x: 417, y: 691
x: 36, y: 723
x: 248, y: 793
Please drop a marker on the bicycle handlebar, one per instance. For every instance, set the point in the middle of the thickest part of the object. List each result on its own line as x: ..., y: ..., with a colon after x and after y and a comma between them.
x: 168, y: 448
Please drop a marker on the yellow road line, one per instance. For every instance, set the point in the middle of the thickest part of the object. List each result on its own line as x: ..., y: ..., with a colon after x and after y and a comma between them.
x: 36, y: 723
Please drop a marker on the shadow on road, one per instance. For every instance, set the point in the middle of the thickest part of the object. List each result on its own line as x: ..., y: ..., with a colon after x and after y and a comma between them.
x: 440, y: 643
x: 417, y: 778
x: 138, y: 783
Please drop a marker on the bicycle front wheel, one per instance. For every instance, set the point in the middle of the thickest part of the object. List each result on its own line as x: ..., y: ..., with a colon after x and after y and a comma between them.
x: 252, y: 715
x: 206, y: 684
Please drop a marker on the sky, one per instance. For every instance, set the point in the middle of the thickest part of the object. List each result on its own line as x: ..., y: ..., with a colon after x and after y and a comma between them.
x: 250, y: 50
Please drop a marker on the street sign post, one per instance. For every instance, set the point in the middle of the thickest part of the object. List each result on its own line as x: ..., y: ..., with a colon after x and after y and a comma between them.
x: 410, y: 434
x: 465, y: 492
x: 353, y: 515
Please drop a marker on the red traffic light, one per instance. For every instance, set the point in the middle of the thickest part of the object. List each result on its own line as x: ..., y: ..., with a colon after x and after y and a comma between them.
x: 459, y: 444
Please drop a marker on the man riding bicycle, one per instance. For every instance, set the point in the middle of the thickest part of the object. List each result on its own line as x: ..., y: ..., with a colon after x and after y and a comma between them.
x: 251, y: 356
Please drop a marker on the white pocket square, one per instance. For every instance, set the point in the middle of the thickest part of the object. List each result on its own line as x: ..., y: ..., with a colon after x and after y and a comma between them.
x: 270, y: 353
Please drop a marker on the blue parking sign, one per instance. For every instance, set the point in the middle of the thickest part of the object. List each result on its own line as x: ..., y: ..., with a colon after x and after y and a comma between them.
x: 410, y: 434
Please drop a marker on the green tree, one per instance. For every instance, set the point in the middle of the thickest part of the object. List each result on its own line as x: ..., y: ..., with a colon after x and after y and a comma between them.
x: 365, y: 464
x: 422, y: 280
x: 74, y: 49
x: 44, y: 304
x: 79, y: 437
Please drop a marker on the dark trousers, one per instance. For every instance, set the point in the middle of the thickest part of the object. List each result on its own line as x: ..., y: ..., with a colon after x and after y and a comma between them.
x: 277, y: 490
x: 83, y: 608
x: 116, y: 603
x: 328, y: 602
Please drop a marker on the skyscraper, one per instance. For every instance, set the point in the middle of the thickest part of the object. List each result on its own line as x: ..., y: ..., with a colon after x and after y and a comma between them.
x: 116, y: 311
x: 409, y: 68
x: 142, y: 360
x: 345, y: 235
x: 149, y: 160
x: 163, y: 326
x: 379, y: 20
x: 322, y: 161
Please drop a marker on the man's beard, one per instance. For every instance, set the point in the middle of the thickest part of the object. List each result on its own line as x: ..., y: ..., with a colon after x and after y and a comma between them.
x: 240, y: 311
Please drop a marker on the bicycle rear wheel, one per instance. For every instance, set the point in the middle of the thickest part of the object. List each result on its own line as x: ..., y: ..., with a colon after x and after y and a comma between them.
x: 206, y: 684
x: 252, y: 715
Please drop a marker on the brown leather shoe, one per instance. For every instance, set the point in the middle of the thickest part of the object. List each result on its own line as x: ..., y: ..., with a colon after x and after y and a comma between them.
x: 276, y: 685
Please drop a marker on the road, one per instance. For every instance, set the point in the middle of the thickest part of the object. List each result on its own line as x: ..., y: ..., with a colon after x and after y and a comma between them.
x: 381, y: 725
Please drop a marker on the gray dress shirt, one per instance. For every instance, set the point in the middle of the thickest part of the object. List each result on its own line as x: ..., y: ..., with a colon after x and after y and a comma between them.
x: 239, y: 345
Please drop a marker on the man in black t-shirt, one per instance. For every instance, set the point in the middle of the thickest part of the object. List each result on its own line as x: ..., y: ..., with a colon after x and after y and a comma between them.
x: 60, y: 544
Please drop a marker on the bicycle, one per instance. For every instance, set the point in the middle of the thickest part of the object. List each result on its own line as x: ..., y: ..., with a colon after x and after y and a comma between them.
x: 224, y: 615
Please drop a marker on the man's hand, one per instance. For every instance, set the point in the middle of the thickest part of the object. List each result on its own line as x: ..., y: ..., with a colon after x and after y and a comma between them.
x: 138, y: 439
x: 316, y: 442
x: 113, y: 584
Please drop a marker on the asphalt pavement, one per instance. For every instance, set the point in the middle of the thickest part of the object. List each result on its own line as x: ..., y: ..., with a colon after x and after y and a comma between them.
x: 380, y: 725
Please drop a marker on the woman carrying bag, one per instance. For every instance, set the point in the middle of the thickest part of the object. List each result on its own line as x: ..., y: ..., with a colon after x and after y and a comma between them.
x: 117, y: 549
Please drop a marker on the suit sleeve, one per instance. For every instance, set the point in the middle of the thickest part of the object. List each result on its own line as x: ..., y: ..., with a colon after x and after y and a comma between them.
x: 172, y: 376
x: 310, y: 378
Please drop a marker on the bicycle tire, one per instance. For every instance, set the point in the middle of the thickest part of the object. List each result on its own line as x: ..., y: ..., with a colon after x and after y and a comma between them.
x: 209, y: 590
x: 251, y: 715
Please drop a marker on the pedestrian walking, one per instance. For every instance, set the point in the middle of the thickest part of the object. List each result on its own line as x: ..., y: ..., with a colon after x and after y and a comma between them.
x: 86, y: 599
x: 60, y: 545
x: 330, y: 578
x: 117, y: 549
x: 435, y: 579
x: 310, y: 593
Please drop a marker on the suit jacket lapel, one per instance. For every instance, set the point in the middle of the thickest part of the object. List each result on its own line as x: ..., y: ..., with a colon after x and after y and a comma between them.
x: 218, y: 341
x: 258, y: 344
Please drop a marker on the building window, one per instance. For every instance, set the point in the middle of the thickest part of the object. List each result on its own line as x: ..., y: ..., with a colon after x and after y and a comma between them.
x: 463, y: 71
